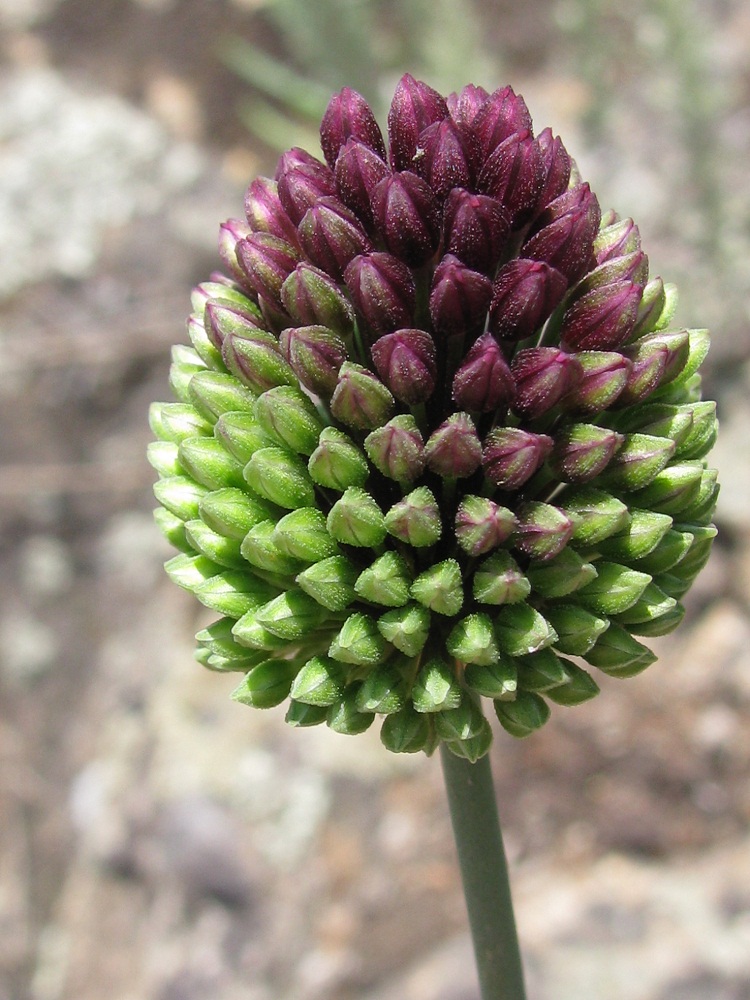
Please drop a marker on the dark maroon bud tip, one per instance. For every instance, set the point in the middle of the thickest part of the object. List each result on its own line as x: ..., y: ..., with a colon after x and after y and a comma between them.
x: 483, y: 382
x: 514, y: 174
x: 267, y: 261
x: 511, y: 456
x: 555, y: 168
x: 331, y: 236
x: 265, y: 213
x: 543, y: 375
x: 407, y: 216
x: 357, y: 173
x: 302, y: 186
x: 466, y: 105
x: 602, y: 320
x: 454, y: 450
x: 382, y: 289
x: 414, y: 107
x: 221, y: 320
x: 459, y: 298
x: 349, y: 116
x: 445, y: 157
x: 501, y: 115
x: 316, y: 355
x: 563, y: 235
x: 525, y: 294
x: 476, y: 228
x: 405, y: 361
x: 295, y: 157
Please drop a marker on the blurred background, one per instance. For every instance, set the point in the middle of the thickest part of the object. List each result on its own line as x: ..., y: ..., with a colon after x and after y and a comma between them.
x: 159, y: 842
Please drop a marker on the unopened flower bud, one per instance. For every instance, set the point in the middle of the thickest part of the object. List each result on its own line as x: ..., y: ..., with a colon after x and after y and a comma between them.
x: 267, y: 260
x: 360, y: 400
x: 461, y: 723
x: 673, y: 547
x: 349, y: 116
x: 321, y: 681
x: 230, y: 233
x: 255, y: 359
x: 472, y: 640
x: 397, y: 449
x: 260, y: 547
x: 577, y: 629
x: 180, y: 495
x: 406, y: 731
x: 330, y: 582
x: 281, y: 478
x: 498, y: 680
x: 482, y: 525
x: 300, y: 185
x: 407, y: 217
x: 233, y: 512
x: 407, y: 629
x: 501, y: 115
x: 207, y: 461
x: 475, y: 228
x: 647, y: 369
x: 615, y: 589
x: 499, y: 580
x: 356, y: 519
x: 650, y: 308
x: 446, y: 159
x: 382, y: 289
x: 266, y: 685
x: 540, y: 672
x: 176, y: 421
x: 440, y: 588
x: 291, y: 615
x: 315, y: 354
x: 579, y: 686
x: 287, y: 416
x: 674, y: 489
x: 415, y: 520
x: 303, y: 535
x: 358, y: 642
x: 459, y: 298
x: 358, y: 172
x: 604, y: 377
x: 414, y: 107
x: 312, y: 298
x: 542, y: 375
x: 265, y: 212
x: 639, y: 460
x: 618, y: 239
x: 562, y: 575
x: 511, y: 456
x: 563, y: 235
x: 596, y: 515
x: 214, y: 393
x: 521, y: 629
x: 583, y: 451
x: 454, y: 450
x: 466, y: 104
x: 331, y: 236
x: 483, y: 381
x: 555, y: 168
x: 640, y: 536
x: 701, y: 435
x: 542, y: 530
x: 383, y: 691
x: 525, y: 294
x: 337, y: 463
x: 345, y: 718
x: 602, y: 319
x: 618, y: 654
x: 436, y: 688
x: 222, y: 319
x: 405, y: 361
x: 386, y: 581
x: 513, y: 174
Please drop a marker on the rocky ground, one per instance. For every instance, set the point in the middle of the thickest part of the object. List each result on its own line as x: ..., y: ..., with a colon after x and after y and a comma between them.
x: 159, y: 842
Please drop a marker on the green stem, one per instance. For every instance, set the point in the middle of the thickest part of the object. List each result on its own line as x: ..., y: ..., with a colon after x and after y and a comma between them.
x: 484, y: 871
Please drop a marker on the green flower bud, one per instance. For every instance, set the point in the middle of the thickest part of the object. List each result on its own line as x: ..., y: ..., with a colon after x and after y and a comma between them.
x: 206, y: 460
x: 330, y: 582
x: 303, y: 535
x: 580, y: 686
x: 436, y: 688
x: 255, y: 359
x: 181, y: 496
x: 345, y: 717
x: 560, y: 576
x: 670, y: 550
x: 415, y: 519
x: 577, y: 629
x: 499, y: 580
x: 641, y: 536
x: 383, y: 691
x: 482, y: 525
x: 618, y: 654
x: 291, y: 615
x: 249, y: 632
x: 641, y: 458
x: 541, y: 671
x: 699, y: 342
x: 261, y: 549
x: 233, y: 593
x: 205, y: 350
x: 650, y: 309
x: 521, y: 629
x: 405, y: 732
x: 280, y: 477
x: 214, y: 393
x: 542, y: 531
x: 173, y: 529
x: 703, y: 431
x: 523, y: 716
x: 439, y: 588
x: 661, y: 624
x: 699, y: 551
x: 176, y: 421
x: 472, y: 640
x: 267, y: 685
x: 665, y: 317
x: 321, y: 681
x: 337, y: 462
x: 406, y: 628
x: 454, y: 449
x: 358, y: 642
x: 288, y: 416
x: 216, y: 547
x: 360, y: 399
x: 218, y: 639
x: 659, y: 420
x: 356, y: 519
x: 189, y: 571
x: 233, y: 512
x: 701, y: 509
x: 163, y: 456
x: 397, y: 449
x: 241, y: 435
x: 673, y: 490
x: 461, y: 723
x: 385, y: 582
x: 301, y: 716
x: 474, y: 747
x: 494, y: 680
x: 615, y: 589
x: 596, y: 515
x: 582, y: 451
x: 651, y: 605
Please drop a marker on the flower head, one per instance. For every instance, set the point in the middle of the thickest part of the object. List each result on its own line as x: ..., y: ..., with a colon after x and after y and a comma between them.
x: 433, y: 436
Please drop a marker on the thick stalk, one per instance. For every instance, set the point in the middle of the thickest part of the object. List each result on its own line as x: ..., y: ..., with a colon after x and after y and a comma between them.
x: 484, y: 872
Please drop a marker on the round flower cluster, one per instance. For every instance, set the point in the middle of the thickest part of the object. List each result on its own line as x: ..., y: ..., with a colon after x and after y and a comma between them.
x: 434, y: 446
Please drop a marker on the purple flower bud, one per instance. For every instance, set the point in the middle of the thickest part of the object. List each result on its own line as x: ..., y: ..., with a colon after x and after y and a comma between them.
x: 415, y: 519
x: 407, y: 216
x: 295, y: 157
x: 466, y: 105
x: 454, y: 450
x: 222, y: 319
x: 267, y: 261
x: 543, y: 531
x: 405, y: 361
x: 604, y: 377
x: 358, y: 172
x: 482, y: 525
x: 525, y: 294
x: 511, y: 456
x: 630, y: 267
x: 677, y: 346
x: 414, y: 107
x: 265, y: 212
x: 563, y: 235
x: 312, y: 298
x: 316, y: 354
x: 514, y: 175
x: 397, y: 449
x: 555, y: 168
x: 446, y: 158
x: 360, y: 400
x: 300, y: 186
x: 349, y: 116
x: 543, y: 375
x: 382, y: 289
x: 459, y: 298
x: 500, y: 116
x: 647, y: 368
x: 616, y: 240
x: 230, y: 233
x: 652, y: 305
x: 583, y: 451
x: 475, y: 229
x: 483, y: 381
x: 601, y: 320
x: 331, y: 236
